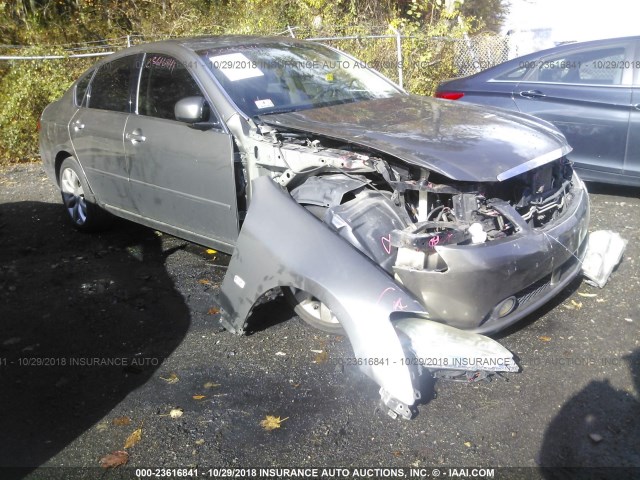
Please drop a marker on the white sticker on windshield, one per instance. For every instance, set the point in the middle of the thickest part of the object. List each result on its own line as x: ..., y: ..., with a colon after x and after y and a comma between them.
x: 235, y: 66
x: 266, y: 103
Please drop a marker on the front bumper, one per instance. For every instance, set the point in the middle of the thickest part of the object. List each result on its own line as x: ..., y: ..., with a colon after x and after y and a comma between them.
x: 533, y: 266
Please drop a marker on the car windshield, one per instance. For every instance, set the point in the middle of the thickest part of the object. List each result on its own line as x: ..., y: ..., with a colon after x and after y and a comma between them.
x: 281, y: 77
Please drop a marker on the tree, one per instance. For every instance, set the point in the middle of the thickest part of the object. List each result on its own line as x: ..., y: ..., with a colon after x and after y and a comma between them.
x: 485, y: 14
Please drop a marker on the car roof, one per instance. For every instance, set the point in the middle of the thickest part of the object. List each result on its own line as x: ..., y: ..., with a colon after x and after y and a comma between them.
x: 507, y: 65
x: 198, y: 44
x: 572, y: 45
x: 222, y: 41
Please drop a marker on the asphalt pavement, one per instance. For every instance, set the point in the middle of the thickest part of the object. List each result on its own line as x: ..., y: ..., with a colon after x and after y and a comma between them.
x: 111, y: 340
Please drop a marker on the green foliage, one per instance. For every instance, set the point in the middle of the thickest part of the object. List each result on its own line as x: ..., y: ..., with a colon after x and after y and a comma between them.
x: 26, y: 87
x: 25, y: 90
x: 485, y: 14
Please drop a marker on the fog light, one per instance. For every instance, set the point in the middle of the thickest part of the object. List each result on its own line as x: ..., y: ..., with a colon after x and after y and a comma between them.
x: 507, y: 306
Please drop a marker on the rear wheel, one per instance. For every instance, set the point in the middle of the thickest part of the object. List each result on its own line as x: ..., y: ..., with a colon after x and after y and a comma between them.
x: 84, y: 213
x: 313, y: 311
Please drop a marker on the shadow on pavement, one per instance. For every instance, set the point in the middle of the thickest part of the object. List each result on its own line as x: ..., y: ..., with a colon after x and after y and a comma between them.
x: 84, y: 321
x: 598, y: 427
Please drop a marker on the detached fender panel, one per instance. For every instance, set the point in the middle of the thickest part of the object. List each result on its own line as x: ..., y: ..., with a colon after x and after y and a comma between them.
x: 283, y: 245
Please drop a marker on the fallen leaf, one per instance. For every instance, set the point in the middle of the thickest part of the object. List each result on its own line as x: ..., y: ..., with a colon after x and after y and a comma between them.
x: 588, y: 295
x: 204, y: 281
x: 102, y: 426
x: 121, y: 421
x: 198, y: 397
x: 600, y: 300
x: 173, y: 378
x: 134, y: 438
x: 211, y: 385
x: 211, y: 251
x: 271, y: 423
x: 322, y: 357
x: 317, y: 351
x: 213, y: 311
x: 578, y: 305
x: 568, y: 307
x: 200, y: 441
x: 114, y: 459
x: 397, y: 453
x: 295, y: 385
x: 545, y: 339
x: 467, y: 444
x: 176, y: 413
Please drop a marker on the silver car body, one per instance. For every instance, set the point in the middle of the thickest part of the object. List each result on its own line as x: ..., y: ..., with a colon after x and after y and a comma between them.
x: 438, y: 222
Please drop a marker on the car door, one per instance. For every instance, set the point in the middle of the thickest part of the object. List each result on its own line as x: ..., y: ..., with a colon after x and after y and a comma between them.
x: 586, y: 93
x: 97, y: 129
x: 631, y: 172
x: 180, y: 176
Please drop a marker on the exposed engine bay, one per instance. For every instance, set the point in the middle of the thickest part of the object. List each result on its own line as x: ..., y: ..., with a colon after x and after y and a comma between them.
x: 396, y: 213
x: 432, y: 236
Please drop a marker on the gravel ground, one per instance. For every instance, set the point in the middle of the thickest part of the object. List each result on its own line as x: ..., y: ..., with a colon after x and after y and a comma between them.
x: 145, y: 303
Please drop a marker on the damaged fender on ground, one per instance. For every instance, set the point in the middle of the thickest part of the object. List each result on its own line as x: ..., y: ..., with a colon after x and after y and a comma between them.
x: 283, y: 245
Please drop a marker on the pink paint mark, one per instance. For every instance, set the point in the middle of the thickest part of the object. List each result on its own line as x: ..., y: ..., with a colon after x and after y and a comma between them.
x: 433, y: 241
x: 449, y: 235
x: 397, y: 305
x: 386, y: 244
x: 384, y: 292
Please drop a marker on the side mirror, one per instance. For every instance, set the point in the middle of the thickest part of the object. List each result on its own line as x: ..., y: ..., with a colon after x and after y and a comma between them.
x: 190, y: 109
x: 194, y: 110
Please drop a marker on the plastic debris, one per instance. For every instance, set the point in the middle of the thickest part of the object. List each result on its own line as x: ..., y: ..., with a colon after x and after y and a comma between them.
x: 603, y: 254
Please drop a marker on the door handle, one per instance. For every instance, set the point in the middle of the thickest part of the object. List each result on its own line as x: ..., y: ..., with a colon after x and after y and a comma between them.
x: 77, y: 125
x: 532, y: 94
x: 135, y: 136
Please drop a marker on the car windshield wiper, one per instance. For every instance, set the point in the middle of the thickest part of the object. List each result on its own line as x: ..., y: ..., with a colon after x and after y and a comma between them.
x: 280, y: 110
x: 331, y: 103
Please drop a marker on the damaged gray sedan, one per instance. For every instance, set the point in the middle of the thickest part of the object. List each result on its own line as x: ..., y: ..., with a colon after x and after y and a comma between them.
x: 412, y: 225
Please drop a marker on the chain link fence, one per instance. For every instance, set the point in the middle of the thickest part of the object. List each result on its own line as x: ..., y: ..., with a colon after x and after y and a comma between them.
x: 404, y: 58
x: 477, y: 53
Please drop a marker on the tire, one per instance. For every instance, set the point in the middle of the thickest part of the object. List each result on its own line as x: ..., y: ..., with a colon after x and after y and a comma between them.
x: 312, y: 311
x: 84, y: 213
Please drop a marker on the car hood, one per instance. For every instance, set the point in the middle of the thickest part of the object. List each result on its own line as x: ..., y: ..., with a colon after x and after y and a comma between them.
x: 464, y: 142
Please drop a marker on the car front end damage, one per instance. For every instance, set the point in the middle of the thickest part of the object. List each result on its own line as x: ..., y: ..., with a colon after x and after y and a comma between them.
x: 416, y: 257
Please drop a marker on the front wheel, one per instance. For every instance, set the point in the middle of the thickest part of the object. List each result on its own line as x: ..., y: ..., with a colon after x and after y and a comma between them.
x: 313, y: 311
x: 84, y: 213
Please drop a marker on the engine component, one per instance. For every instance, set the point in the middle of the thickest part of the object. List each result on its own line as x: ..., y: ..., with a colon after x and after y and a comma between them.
x: 367, y: 222
x: 328, y: 190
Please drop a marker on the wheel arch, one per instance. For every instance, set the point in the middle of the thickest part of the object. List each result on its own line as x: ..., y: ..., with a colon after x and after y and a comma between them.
x: 61, y: 156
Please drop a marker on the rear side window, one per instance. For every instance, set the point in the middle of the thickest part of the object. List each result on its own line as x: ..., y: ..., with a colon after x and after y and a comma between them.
x: 164, y: 81
x: 513, y: 75
x: 603, y: 66
x: 110, y: 88
x: 81, y: 88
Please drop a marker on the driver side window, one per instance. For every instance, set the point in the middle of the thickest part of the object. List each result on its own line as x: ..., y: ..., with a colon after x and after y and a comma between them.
x: 163, y: 83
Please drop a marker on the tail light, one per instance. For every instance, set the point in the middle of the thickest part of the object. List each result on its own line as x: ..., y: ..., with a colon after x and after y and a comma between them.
x: 449, y: 95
